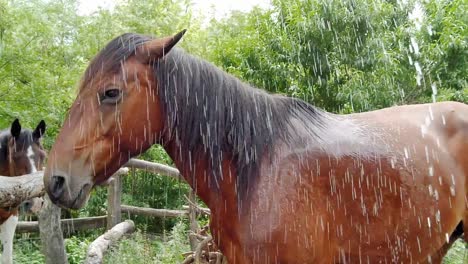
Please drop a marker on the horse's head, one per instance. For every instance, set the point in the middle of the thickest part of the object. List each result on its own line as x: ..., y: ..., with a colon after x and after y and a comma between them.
x: 21, y: 150
x: 32, y: 206
x: 115, y: 116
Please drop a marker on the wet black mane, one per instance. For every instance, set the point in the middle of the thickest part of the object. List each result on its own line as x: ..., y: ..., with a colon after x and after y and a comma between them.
x: 212, y: 113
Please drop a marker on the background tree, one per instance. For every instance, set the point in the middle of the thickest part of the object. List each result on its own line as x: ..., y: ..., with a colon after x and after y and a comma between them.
x: 348, y: 56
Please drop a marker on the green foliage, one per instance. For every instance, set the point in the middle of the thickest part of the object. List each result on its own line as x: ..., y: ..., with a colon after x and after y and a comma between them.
x: 96, y: 206
x: 45, y: 47
x: 142, y: 249
x: 171, y: 250
x: 37, y: 67
x: 457, y: 254
x: 135, y: 249
x: 28, y: 251
x: 77, y: 247
x: 347, y: 56
x: 344, y: 56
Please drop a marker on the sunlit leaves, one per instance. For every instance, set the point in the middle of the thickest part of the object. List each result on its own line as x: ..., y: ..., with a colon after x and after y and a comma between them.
x: 346, y: 56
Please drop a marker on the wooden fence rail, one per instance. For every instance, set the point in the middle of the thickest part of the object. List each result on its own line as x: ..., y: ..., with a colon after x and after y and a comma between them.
x: 71, y: 225
x: 151, y: 212
x: 154, y: 168
x: 14, y: 190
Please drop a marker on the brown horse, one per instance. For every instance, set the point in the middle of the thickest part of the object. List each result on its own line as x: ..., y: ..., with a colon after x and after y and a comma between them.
x: 285, y: 181
x: 21, y: 153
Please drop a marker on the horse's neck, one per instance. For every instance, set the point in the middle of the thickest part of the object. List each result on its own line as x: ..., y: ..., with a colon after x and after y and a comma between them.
x: 4, y: 168
x: 199, y: 176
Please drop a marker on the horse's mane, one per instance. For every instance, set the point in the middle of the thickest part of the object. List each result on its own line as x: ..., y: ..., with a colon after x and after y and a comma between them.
x: 212, y: 113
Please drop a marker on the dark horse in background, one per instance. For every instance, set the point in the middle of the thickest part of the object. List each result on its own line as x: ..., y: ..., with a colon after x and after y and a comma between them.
x: 21, y: 153
x: 286, y: 182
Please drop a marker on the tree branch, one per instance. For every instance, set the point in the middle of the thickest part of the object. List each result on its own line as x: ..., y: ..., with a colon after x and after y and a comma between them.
x: 15, y: 190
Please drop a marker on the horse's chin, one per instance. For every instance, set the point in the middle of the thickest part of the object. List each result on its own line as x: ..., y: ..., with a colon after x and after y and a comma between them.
x: 79, y: 201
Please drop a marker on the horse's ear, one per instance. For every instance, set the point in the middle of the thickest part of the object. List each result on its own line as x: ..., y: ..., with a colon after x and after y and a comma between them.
x: 40, y: 130
x: 158, y: 48
x: 15, y: 129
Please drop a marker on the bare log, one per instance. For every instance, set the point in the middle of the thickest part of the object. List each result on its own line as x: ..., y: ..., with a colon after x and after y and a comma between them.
x: 153, y: 212
x: 99, y: 246
x: 15, y: 190
x: 154, y: 168
x: 67, y: 225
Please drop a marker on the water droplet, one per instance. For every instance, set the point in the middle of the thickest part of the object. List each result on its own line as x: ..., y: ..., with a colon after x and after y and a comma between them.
x: 434, y: 92
x: 419, y: 74
x: 415, y: 45
x: 452, y: 190
x: 431, y: 171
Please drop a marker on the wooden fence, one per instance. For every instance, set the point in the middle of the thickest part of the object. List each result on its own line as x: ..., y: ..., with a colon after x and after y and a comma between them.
x: 115, y: 208
x: 13, y: 190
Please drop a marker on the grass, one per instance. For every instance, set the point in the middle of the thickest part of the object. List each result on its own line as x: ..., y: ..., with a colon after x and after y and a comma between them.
x: 27, y: 250
x: 140, y: 250
x: 144, y: 248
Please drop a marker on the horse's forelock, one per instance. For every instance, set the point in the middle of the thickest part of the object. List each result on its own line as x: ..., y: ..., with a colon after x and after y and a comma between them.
x: 110, y: 58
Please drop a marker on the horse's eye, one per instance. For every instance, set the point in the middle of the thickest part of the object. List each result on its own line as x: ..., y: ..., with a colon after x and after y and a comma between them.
x: 111, y: 96
x: 112, y: 93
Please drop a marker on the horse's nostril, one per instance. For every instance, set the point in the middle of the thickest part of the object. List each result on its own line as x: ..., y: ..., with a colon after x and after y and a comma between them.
x: 56, y: 187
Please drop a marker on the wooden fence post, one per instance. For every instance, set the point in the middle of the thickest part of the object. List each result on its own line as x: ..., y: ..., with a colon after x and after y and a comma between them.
x: 53, y: 246
x: 114, y: 200
x: 194, y: 228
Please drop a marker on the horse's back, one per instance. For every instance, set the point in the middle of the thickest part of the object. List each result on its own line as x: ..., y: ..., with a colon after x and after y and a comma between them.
x: 443, y: 125
x: 458, y: 145
x: 446, y: 125
x: 387, y: 185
